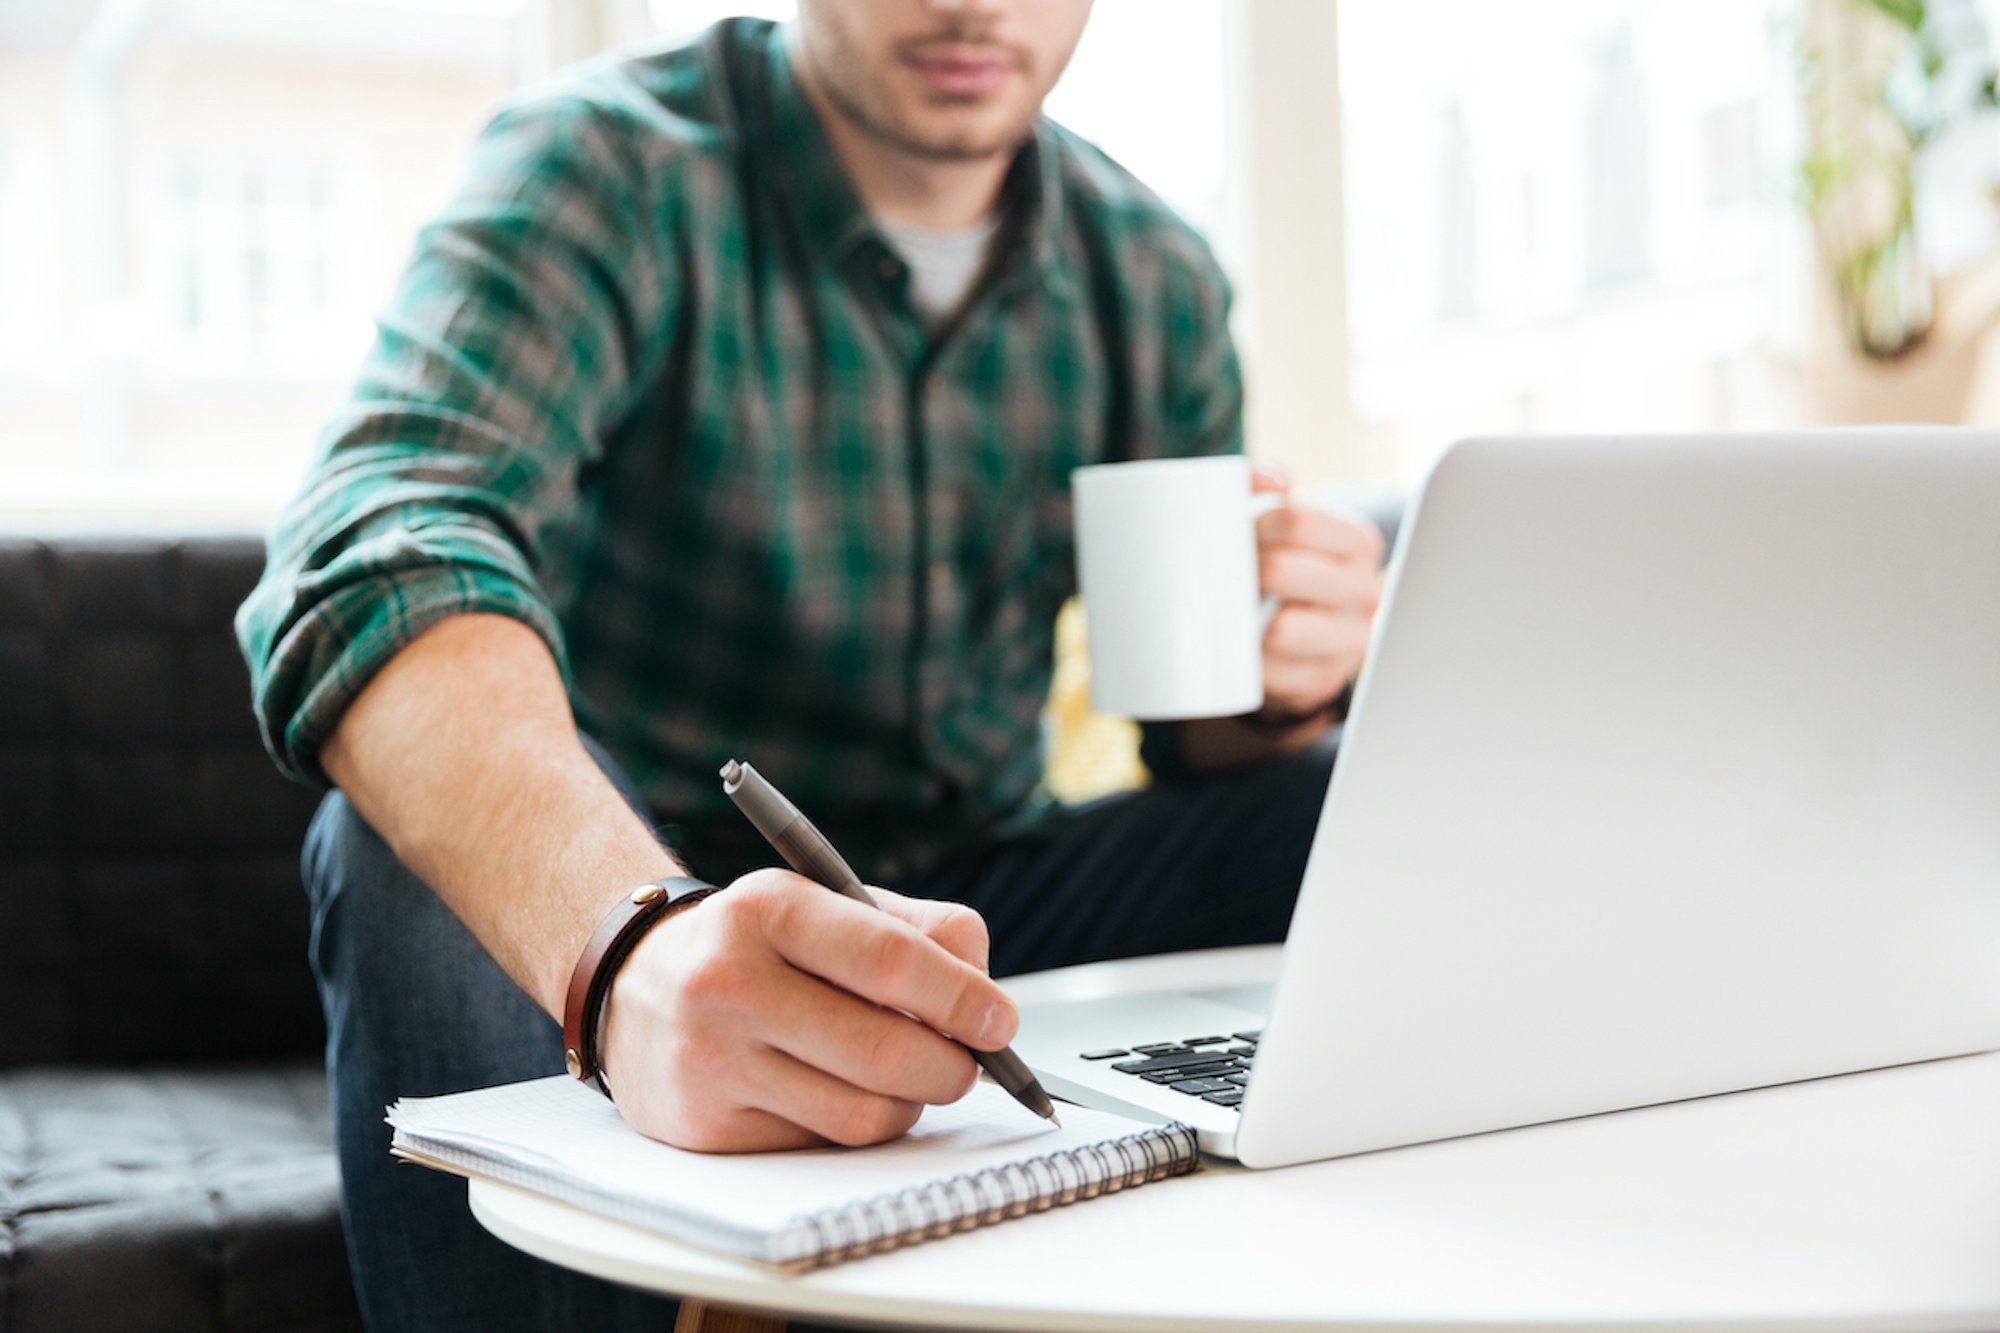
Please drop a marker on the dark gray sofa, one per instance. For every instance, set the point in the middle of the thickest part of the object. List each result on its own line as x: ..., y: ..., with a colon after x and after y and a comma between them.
x: 165, y: 1156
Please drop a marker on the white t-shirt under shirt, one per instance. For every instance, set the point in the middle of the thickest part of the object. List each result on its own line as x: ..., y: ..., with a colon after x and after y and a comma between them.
x: 944, y: 265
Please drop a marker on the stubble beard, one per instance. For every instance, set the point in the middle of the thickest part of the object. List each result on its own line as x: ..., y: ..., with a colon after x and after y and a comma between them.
x: 883, y: 126
x: 877, y: 116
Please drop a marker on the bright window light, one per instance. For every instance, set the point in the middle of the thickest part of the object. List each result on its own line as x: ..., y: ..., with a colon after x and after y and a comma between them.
x: 1566, y: 215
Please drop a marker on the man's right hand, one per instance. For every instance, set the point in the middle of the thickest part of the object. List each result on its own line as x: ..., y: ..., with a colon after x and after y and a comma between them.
x: 782, y: 1015
x: 764, y: 1017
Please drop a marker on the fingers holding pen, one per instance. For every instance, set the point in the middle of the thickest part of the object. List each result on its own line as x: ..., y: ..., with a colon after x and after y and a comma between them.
x: 883, y: 959
x: 935, y: 971
x: 779, y: 1009
x: 732, y: 1027
x: 742, y: 1096
x: 957, y: 927
x: 867, y: 1047
x: 823, y: 1104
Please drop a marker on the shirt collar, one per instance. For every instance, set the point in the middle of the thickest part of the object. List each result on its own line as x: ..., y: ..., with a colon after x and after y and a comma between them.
x: 829, y: 215
x: 1034, y: 195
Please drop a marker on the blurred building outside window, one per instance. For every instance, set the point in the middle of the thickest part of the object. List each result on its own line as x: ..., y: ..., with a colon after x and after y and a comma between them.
x: 202, y: 204
x: 1617, y: 166
x: 1584, y: 216
x: 253, y: 264
x: 20, y: 283
x: 1612, y: 241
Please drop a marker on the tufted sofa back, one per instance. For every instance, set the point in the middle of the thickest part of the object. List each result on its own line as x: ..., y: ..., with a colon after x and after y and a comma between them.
x: 150, y: 908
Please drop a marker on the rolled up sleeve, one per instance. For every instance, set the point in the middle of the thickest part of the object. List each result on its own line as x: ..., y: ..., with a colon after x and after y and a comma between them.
x: 521, y: 334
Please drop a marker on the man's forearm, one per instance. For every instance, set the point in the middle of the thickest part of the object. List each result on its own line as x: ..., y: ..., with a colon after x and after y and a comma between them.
x: 463, y: 754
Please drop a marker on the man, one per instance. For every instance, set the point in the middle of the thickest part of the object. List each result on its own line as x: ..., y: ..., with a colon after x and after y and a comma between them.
x: 728, y: 411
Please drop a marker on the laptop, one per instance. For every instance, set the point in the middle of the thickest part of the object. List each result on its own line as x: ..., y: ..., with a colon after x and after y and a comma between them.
x: 1674, y: 770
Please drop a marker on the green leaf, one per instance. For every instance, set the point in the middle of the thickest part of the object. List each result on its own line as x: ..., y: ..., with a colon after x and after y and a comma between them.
x: 1909, y: 14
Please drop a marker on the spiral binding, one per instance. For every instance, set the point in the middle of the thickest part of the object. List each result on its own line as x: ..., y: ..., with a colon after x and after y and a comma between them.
x: 976, y: 1199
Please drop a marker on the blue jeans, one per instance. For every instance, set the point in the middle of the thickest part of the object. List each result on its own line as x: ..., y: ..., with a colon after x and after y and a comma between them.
x: 415, y: 1007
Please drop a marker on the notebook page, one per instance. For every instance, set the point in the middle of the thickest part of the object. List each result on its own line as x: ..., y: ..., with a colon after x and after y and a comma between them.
x: 559, y: 1125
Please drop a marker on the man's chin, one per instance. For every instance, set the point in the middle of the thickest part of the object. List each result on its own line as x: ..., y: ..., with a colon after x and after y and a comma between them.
x: 964, y: 150
x: 965, y: 143
x: 945, y: 131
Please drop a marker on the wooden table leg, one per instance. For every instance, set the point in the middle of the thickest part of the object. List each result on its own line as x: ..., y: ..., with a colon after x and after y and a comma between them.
x: 701, y: 1317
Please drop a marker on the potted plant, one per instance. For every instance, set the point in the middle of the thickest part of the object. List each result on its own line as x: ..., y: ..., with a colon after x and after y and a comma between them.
x: 1884, y: 83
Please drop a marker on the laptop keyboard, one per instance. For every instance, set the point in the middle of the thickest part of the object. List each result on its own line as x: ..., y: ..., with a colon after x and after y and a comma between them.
x: 1213, y: 1068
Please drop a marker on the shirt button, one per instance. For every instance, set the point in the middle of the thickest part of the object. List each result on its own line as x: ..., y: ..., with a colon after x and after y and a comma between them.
x: 889, y: 267
x: 940, y: 575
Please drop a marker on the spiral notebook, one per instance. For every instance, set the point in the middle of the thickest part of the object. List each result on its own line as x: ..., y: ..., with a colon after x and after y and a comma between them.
x: 979, y: 1161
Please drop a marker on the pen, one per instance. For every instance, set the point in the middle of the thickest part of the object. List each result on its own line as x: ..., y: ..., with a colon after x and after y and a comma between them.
x: 807, y: 851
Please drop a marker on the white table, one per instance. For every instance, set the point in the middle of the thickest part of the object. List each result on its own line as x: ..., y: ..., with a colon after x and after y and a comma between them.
x: 1865, y: 1202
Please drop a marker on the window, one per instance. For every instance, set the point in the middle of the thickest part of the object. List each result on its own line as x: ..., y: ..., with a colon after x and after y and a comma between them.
x: 1458, y: 211
x: 682, y: 19
x: 13, y: 244
x: 237, y: 186
x: 252, y: 261
x: 1618, y: 169
x: 25, y: 285
x: 1730, y: 153
x: 1566, y: 217
x: 1148, y: 86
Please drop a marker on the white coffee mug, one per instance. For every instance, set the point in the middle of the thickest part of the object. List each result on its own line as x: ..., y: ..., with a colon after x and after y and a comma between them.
x: 1166, y: 556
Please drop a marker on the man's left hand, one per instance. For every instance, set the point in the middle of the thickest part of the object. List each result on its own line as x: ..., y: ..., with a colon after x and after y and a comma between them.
x: 1325, y: 569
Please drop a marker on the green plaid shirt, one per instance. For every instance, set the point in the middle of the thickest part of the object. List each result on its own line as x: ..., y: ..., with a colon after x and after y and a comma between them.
x: 653, y: 385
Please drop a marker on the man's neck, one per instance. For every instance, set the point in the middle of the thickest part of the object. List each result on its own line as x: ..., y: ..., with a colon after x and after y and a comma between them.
x: 906, y: 188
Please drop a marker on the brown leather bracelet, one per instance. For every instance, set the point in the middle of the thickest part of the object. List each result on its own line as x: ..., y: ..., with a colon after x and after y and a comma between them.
x: 590, y: 981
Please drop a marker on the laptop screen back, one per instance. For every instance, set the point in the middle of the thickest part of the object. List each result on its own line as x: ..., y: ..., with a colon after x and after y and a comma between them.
x: 1674, y: 771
